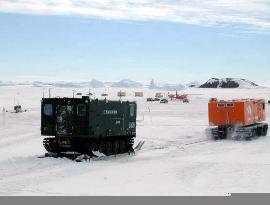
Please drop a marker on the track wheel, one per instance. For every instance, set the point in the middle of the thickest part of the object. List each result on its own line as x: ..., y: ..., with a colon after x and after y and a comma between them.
x: 260, y: 131
x: 116, y: 147
x: 122, y: 146
x: 248, y: 138
x: 130, y: 144
x: 265, y: 129
x: 94, y: 147
x: 51, y: 145
x: 253, y: 133
x: 222, y: 134
x: 109, y: 148
x: 102, y: 147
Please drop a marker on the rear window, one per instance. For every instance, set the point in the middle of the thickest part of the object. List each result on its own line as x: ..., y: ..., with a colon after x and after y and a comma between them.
x: 48, y: 110
x: 221, y: 105
x: 132, y: 110
x: 81, y: 110
x: 230, y: 105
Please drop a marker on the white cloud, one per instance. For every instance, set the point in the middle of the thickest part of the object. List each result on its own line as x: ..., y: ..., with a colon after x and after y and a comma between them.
x: 253, y: 14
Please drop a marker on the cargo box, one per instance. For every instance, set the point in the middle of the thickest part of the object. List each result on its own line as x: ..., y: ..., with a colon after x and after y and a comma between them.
x: 236, y: 112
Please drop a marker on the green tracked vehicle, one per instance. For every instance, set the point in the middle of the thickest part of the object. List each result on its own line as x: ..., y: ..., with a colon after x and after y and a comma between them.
x: 86, y: 126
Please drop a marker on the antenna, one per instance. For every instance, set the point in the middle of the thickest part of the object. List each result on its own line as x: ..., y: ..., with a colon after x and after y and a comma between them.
x: 73, y: 93
x: 120, y: 95
x: 49, y: 92
x: 89, y: 93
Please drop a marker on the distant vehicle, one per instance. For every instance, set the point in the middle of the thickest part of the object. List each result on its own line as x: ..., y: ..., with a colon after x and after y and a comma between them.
x: 238, y: 119
x: 104, y: 94
x: 180, y: 97
x: 18, y: 109
x: 171, y: 96
x: 164, y: 101
x: 86, y: 126
x: 156, y: 99
x: 185, y: 100
x: 150, y: 99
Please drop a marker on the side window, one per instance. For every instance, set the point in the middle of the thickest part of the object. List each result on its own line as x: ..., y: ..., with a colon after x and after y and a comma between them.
x: 48, y: 110
x: 81, y: 110
x: 132, y: 110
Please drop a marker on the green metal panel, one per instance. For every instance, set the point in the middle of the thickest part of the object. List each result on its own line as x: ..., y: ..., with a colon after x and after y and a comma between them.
x: 90, y: 118
x: 111, y: 118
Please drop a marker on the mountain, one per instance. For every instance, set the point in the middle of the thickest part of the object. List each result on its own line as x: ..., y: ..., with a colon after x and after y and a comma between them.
x: 166, y: 86
x: 7, y: 83
x: 172, y: 87
x: 127, y: 84
x: 193, y: 84
x: 41, y: 84
x: 153, y: 85
x: 96, y: 84
x: 63, y: 84
x: 11, y: 83
x: 228, y: 83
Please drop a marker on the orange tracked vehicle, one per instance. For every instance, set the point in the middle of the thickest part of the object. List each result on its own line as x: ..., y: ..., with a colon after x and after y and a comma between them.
x: 238, y: 119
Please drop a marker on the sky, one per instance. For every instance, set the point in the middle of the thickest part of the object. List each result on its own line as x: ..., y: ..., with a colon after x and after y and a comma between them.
x: 168, y: 40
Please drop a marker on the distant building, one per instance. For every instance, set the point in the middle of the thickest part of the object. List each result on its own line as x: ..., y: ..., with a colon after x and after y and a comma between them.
x: 159, y: 95
x: 138, y: 94
x: 121, y: 94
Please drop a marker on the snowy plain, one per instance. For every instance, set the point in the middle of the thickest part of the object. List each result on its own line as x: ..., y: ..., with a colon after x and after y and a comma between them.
x: 177, y: 158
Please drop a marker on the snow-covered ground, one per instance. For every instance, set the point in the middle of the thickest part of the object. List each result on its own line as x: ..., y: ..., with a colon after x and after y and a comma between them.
x: 176, y: 159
